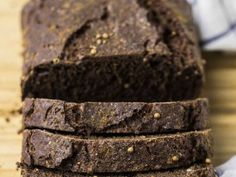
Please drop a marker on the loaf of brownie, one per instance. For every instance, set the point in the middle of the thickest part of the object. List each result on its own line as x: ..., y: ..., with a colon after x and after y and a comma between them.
x: 115, y: 154
x: 193, y: 171
x: 103, y: 50
x: 115, y: 117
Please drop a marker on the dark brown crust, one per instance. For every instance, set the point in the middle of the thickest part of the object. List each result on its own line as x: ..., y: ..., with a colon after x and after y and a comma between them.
x: 116, y: 118
x: 194, y: 171
x: 114, y: 155
x: 155, y: 59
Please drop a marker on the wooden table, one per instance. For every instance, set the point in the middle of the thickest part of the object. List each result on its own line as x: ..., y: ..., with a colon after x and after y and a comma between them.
x: 220, y: 87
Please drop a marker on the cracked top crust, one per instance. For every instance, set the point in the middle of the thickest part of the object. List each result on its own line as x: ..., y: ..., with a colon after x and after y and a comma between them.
x: 73, y: 30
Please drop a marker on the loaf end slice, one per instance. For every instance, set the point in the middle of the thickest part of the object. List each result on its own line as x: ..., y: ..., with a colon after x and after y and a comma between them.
x: 102, y: 50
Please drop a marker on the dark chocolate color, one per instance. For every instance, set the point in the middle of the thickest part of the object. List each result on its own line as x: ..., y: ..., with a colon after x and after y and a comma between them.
x: 115, y: 154
x: 193, y: 171
x: 116, y: 117
x: 102, y: 50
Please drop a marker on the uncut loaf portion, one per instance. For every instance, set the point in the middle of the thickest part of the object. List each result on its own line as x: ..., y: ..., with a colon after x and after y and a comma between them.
x: 201, y: 170
x: 115, y: 154
x: 103, y: 50
x: 116, y: 117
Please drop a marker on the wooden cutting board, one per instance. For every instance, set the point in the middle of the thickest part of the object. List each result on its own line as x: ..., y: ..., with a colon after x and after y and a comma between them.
x: 220, y: 87
x: 10, y: 69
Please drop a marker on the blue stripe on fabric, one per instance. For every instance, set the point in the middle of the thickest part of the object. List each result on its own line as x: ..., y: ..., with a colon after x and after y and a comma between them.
x: 232, y: 27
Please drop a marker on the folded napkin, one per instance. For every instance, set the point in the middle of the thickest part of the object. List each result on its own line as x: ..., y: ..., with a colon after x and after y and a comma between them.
x: 216, y: 20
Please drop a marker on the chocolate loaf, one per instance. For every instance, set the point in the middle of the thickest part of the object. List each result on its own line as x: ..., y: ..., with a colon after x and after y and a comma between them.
x: 115, y: 154
x: 194, y: 171
x: 116, y: 117
x: 102, y: 50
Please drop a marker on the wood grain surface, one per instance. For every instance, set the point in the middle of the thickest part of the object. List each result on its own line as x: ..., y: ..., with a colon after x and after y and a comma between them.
x: 220, y: 88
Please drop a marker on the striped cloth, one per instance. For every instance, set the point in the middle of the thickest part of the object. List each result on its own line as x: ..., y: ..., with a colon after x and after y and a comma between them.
x: 216, y: 20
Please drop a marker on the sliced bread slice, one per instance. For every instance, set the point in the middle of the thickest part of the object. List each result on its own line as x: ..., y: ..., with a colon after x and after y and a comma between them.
x: 116, y: 117
x: 115, y: 154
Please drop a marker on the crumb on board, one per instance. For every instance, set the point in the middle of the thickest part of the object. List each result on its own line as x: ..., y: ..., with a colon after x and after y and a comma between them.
x: 7, y: 119
x: 18, y: 166
x: 7, y: 114
x: 20, y: 131
x: 16, y: 111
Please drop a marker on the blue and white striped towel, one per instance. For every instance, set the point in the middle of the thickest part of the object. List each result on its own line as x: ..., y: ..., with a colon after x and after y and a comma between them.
x: 216, y: 20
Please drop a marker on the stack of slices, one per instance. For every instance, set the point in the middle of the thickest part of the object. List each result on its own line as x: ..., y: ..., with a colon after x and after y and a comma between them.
x: 110, y: 89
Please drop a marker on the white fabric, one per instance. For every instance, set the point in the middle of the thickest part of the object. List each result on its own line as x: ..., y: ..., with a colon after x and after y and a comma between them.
x: 228, y: 169
x: 229, y: 173
x: 216, y: 20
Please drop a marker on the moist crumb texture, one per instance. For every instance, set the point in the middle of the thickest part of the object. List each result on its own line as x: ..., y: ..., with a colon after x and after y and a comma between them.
x: 116, y: 117
x: 193, y: 171
x: 117, y: 154
x: 102, y: 50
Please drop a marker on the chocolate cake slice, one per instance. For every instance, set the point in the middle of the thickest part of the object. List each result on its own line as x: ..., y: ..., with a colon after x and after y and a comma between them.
x: 193, y: 171
x: 116, y: 117
x: 103, y: 50
x: 115, y: 154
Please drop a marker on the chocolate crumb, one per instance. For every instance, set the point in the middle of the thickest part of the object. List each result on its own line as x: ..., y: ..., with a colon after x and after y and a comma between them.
x: 20, y: 131
x: 18, y: 166
x: 16, y: 111
x: 7, y: 119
